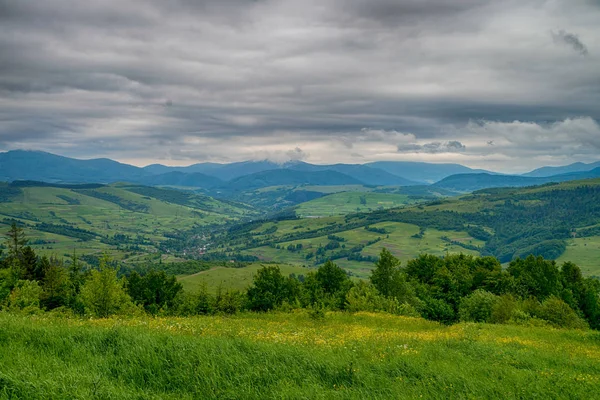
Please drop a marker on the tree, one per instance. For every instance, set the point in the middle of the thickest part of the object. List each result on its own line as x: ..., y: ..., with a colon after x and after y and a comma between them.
x: 385, y: 271
x: 16, y: 240
x: 103, y: 294
x: 536, y: 277
x: 270, y: 289
x: 154, y: 291
x: 29, y: 265
x: 390, y: 280
x: 56, y: 285
x: 331, y: 277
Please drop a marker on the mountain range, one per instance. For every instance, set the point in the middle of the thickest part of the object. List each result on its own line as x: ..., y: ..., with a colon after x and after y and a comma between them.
x: 251, y: 175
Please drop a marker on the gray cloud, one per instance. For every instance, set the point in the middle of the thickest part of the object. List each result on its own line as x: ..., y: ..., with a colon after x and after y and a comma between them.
x: 296, y: 154
x: 344, y: 81
x: 571, y: 40
x: 453, y: 146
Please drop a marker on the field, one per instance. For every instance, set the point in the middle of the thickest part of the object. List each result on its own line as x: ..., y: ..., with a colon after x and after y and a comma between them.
x: 398, y: 238
x: 231, y: 278
x: 349, y: 202
x: 585, y: 252
x: 290, y: 356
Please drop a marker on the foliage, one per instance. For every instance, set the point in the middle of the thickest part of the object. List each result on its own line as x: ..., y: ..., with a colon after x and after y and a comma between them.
x: 478, y: 306
x: 103, y: 294
x: 559, y: 314
x: 154, y: 291
x: 270, y: 289
x: 25, y: 297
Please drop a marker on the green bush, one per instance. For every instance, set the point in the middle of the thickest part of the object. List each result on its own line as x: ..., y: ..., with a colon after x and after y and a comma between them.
x: 478, y: 306
x: 559, y: 314
x: 363, y: 297
x: 25, y: 297
x: 504, y: 309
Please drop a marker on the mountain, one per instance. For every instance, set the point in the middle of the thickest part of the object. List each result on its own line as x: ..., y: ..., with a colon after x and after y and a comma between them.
x: 203, y: 168
x: 227, y: 172
x: 423, y: 172
x: 279, y: 177
x: 177, y: 178
x: 472, y: 182
x: 368, y: 175
x: 571, y: 168
x: 41, y: 166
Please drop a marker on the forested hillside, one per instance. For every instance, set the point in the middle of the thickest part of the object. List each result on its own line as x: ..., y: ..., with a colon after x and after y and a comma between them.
x: 505, y: 223
x: 131, y: 220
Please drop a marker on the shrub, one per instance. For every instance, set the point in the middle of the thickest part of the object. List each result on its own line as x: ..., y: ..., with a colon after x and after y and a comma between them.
x: 25, y: 297
x: 504, y: 309
x: 363, y: 297
x: 229, y: 301
x: 478, y: 306
x: 559, y: 314
x: 438, y: 310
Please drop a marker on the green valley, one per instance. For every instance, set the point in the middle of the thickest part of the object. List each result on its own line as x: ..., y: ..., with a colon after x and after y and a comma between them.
x: 126, y: 219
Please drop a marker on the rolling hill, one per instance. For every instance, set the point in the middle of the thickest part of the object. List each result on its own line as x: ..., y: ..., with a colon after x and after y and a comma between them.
x: 127, y: 219
x: 549, y: 220
x: 423, y: 172
x: 41, y: 166
x: 472, y: 182
x: 567, y: 169
x: 281, y: 177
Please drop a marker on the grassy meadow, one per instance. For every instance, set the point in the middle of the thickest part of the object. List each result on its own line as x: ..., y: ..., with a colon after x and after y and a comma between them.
x: 350, y: 202
x: 585, y: 252
x: 231, y: 278
x: 291, y: 356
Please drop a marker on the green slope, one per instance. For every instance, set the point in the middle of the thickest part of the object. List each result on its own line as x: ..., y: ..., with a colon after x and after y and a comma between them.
x: 550, y: 220
x: 231, y: 278
x: 58, y: 220
x: 350, y: 202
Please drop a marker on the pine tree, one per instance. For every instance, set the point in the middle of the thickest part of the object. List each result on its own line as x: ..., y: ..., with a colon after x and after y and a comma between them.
x: 16, y: 240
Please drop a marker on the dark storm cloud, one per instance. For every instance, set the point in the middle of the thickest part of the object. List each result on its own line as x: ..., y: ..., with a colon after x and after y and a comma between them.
x: 321, y: 81
x: 571, y: 40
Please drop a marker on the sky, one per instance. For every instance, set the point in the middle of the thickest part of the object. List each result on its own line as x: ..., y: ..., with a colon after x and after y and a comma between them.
x: 501, y: 85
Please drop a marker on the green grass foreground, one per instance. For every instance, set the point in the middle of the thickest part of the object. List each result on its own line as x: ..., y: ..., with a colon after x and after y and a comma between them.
x: 254, y: 356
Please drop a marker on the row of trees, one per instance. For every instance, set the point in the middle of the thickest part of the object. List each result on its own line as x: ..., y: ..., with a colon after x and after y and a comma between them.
x: 445, y: 289
x: 30, y: 283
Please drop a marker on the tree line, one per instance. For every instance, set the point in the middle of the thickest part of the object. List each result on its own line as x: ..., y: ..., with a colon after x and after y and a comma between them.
x: 448, y: 289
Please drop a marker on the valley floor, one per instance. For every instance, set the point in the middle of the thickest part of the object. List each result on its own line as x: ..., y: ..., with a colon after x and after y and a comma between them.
x: 290, y: 355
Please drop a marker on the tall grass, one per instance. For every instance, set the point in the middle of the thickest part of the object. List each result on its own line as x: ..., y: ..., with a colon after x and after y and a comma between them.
x: 290, y: 356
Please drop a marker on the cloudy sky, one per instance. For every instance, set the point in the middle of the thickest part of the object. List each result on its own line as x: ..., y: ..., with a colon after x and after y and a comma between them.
x: 504, y: 85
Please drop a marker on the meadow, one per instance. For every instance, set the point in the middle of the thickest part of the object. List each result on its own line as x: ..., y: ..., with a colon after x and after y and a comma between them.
x: 291, y: 356
x: 350, y: 202
x: 231, y: 278
x: 585, y: 252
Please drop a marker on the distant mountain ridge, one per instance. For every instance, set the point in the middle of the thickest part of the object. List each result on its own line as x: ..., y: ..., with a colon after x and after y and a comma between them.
x: 250, y: 175
x: 472, y: 182
x: 566, y: 169
x: 424, y: 172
